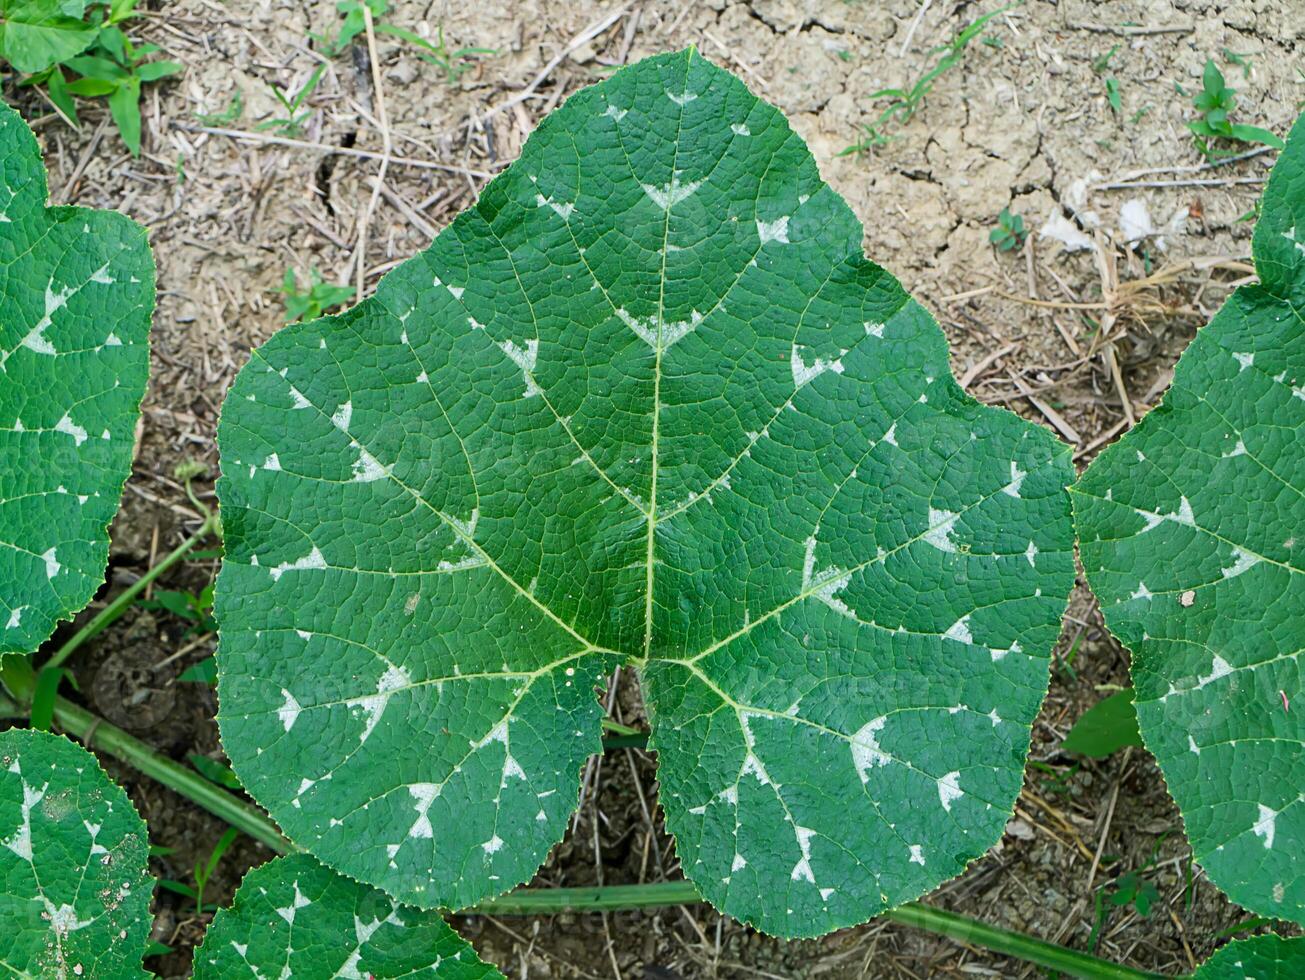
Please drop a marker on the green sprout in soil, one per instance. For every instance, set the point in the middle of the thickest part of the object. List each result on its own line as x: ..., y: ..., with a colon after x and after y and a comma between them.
x: 1215, y: 103
x: 310, y: 303
x: 452, y: 63
x: 905, y: 102
x: 295, y: 117
x: 1009, y: 232
x: 43, y: 39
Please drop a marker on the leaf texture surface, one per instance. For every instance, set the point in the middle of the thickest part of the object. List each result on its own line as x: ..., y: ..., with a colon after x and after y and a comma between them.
x: 292, y: 917
x: 77, y: 291
x: 1267, y: 957
x: 74, y: 892
x: 1192, y: 534
x: 645, y: 403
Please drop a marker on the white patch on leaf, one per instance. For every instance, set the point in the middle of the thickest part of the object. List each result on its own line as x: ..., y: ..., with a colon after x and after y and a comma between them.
x: 313, y: 559
x: 1265, y: 825
x: 289, y: 710
x: 773, y: 231
x: 802, y: 870
x: 949, y: 789
x: 68, y: 427
x: 296, y: 903
x: 423, y: 795
x: 940, y: 526
x: 668, y: 195
x: 20, y: 841
x: 960, y: 630
x: 1243, y: 560
x: 1218, y: 668
x: 373, y: 705
x: 866, y: 752
x: 804, y: 374
x: 1017, y: 476
x: 826, y: 584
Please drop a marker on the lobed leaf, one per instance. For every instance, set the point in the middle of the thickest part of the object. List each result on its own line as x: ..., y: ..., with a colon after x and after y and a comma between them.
x: 74, y: 891
x: 77, y: 291
x: 1190, y: 529
x: 292, y: 917
x: 645, y: 403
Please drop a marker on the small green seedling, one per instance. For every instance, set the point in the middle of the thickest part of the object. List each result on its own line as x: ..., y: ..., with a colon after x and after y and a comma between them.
x: 1101, y: 65
x: 203, y: 874
x: 296, y: 116
x: 1009, y: 232
x: 194, y: 607
x: 453, y: 63
x: 904, y: 102
x: 308, y: 304
x: 1130, y: 888
x: 234, y: 110
x: 1112, y: 95
x: 1242, y: 61
x: 202, y: 672
x: 116, y: 68
x: 1215, y: 102
x: 1056, y: 780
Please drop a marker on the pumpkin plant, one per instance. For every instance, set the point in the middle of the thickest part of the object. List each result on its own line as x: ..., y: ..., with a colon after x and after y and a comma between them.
x: 1192, y: 534
x: 645, y: 404
x: 78, y: 290
x: 75, y: 896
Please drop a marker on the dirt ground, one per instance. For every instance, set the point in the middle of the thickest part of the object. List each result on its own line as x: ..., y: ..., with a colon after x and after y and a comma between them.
x: 1022, y: 122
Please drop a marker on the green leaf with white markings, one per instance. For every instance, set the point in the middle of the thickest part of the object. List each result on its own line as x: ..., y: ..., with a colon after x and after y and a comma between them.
x: 645, y: 403
x: 1192, y: 534
x: 76, y: 293
x: 294, y: 918
x: 1267, y: 957
x: 74, y: 892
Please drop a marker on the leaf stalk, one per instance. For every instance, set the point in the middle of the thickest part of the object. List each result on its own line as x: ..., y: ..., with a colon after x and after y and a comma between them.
x: 607, y: 898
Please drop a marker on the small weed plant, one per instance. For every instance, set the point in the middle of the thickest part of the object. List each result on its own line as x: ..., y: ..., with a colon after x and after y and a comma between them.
x: 903, y: 103
x: 51, y: 40
x: 1009, y: 232
x: 311, y: 302
x: 451, y: 62
x: 1213, y: 126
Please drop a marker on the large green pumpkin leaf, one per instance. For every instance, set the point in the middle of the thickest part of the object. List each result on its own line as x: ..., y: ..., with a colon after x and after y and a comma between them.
x: 1192, y: 534
x: 645, y: 403
x: 74, y: 892
x: 1267, y: 957
x: 76, y: 293
x: 292, y: 917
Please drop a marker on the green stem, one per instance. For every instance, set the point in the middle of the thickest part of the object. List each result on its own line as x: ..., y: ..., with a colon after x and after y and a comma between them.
x: 128, y: 595
x: 635, y: 740
x: 544, y: 901
x: 95, y: 732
